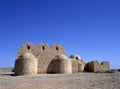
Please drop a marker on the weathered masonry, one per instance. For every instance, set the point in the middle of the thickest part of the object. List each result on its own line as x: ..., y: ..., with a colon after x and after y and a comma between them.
x: 95, y: 66
x: 45, y: 59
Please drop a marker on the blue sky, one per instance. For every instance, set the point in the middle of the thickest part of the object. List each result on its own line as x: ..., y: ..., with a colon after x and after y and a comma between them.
x: 89, y: 28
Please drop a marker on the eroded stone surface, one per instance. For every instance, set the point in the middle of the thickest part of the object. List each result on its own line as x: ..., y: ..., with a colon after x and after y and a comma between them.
x: 52, y: 59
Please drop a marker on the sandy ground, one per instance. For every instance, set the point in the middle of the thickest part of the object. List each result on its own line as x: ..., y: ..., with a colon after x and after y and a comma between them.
x: 61, y: 81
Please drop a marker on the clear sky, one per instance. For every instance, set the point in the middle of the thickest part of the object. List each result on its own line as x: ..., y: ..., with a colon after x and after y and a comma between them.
x: 90, y: 28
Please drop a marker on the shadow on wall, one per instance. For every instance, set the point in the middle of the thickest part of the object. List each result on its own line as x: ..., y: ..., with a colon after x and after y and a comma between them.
x: 60, y: 65
x: 53, y: 67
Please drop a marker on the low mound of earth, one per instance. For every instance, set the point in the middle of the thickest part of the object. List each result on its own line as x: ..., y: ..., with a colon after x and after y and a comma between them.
x: 61, y: 81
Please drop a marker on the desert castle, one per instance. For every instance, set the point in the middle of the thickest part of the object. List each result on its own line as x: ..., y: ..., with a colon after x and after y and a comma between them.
x: 45, y: 59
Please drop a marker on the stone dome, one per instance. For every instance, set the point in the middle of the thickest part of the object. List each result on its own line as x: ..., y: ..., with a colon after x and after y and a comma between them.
x: 61, y: 64
x: 75, y: 56
x: 26, y: 56
x: 61, y: 56
x: 26, y: 64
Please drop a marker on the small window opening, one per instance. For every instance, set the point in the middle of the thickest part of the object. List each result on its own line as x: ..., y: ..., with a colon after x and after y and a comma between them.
x: 102, y: 63
x: 57, y: 48
x: 77, y: 58
x: 43, y: 48
x: 28, y: 47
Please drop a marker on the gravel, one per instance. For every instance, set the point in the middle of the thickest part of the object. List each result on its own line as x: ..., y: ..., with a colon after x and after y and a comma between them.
x: 61, y: 81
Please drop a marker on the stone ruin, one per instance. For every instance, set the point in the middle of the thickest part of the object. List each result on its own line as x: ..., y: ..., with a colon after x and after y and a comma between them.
x: 44, y: 59
x: 95, y: 66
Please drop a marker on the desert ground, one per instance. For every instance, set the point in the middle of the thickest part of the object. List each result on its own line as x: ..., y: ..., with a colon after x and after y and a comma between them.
x: 60, y: 81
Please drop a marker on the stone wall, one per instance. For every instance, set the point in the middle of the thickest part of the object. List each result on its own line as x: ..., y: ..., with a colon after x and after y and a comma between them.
x: 27, y: 47
x: 77, y: 63
x: 74, y: 66
x: 52, y: 59
x: 60, y: 66
x: 26, y: 65
x: 43, y: 53
x: 106, y: 65
x: 95, y: 66
x: 44, y: 57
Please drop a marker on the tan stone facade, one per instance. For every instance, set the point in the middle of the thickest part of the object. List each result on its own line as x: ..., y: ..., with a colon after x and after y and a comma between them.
x: 61, y: 64
x: 46, y: 59
x: 26, y: 64
x: 43, y: 53
x: 77, y: 63
x: 95, y: 66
